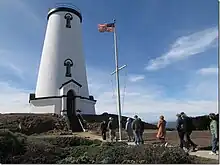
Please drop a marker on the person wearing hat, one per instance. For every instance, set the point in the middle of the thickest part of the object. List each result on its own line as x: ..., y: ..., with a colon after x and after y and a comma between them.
x: 214, y: 133
x: 188, y: 128
x: 137, y: 130
x: 179, y: 128
x: 112, y: 128
x: 128, y: 129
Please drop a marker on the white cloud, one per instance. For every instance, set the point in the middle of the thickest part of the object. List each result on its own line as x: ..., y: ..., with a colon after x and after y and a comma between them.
x: 136, y: 78
x: 208, y: 71
x: 203, y: 84
x: 13, y: 99
x: 146, y: 100
x: 149, y: 100
x: 185, y: 47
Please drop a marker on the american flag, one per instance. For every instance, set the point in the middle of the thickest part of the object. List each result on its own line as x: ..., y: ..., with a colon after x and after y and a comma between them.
x: 106, y: 27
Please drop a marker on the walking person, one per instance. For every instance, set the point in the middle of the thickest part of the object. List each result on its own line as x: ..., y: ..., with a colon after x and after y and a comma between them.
x: 136, y: 128
x: 188, y: 128
x: 214, y: 133
x: 141, y: 131
x: 128, y: 129
x: 103, y: 128
x: 161, y: 134
x: 112, y: 128
x: 179, y: 128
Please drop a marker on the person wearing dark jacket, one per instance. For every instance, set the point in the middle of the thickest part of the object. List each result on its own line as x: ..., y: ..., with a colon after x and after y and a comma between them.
x: 137, y: 129
x: 112, y: 128
x: 179, y: 128
x: 141, y: 131
x: 103, y: 128
x: 187, y: 128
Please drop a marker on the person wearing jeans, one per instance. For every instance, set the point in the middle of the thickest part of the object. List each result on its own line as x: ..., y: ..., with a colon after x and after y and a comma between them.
x: 112, y: 127
x: 137, y: 135
x: 128, y: 129
x: 141, y: 131
x: 188, y: 128
x: 137, y: 130
x: 103, y: 128
x: 214, y: 133
x: 179, y: 128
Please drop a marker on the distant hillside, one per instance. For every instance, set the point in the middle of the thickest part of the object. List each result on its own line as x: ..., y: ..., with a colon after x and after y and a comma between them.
x: 202, y: 122
x: 171, y: 124
x: 105, y: 116
x: 42, y: 123
x: 199, y: 122
x: 46, y: 120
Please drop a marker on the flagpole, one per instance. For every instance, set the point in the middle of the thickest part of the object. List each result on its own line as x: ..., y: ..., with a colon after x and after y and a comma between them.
x: 117, y: 81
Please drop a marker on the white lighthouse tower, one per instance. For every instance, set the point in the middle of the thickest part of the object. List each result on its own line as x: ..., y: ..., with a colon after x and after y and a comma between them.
x: 62, y: 86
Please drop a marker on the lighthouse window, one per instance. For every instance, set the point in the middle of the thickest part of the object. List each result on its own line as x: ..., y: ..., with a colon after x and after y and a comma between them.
x: 68, y: 18
x: 68, y: 64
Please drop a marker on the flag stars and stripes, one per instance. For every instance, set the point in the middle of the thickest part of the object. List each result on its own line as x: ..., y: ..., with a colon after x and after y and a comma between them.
x: 106, y: 27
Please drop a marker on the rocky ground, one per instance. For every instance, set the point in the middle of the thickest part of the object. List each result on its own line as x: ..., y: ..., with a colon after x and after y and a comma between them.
x: 44, y: 139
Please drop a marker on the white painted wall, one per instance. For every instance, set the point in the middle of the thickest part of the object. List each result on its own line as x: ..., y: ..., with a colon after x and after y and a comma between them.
x: 61, y: 43
x: 55, y: 105
x: 87, y: 106
x: 46, y: 106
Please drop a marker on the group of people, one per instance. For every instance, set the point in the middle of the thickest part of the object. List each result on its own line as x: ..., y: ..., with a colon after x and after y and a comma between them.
x: 111, y: 127
x: 184, y: 127
x: 134, y: 129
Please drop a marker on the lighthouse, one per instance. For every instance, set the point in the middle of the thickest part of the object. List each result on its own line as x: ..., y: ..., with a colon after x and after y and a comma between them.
x: 62, y: 86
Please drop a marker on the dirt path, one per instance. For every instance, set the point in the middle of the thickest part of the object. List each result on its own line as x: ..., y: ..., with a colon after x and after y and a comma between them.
x: 204, y: 154
x: 87, y: 135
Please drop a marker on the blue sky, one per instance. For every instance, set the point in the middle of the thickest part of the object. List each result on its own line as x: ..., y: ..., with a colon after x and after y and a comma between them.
x: 170, y: 48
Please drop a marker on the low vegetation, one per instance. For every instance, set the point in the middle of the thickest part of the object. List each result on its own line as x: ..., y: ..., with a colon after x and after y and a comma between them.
x: 18, y: 148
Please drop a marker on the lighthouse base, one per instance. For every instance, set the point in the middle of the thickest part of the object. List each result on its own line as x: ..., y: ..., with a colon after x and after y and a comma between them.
x: 55, y: 104
x: 73, y: 104
x: 67, y: 103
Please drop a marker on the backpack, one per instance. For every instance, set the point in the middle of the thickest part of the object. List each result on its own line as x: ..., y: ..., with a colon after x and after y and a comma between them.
x: 136, y: 125
x: 191, y: 124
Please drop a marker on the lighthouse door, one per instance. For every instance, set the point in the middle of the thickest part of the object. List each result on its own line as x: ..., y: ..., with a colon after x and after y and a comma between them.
x: 71, y: 112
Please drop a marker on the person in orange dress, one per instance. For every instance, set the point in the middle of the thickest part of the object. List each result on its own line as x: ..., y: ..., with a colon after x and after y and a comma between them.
x: 161, y: 134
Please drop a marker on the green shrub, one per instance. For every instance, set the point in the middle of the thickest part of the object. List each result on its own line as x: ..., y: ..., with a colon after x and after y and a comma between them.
x: 113, y: 153
x: 70, y: 141
x: 10, y: 144
x: 32, y: 123
x: 17, y: 148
